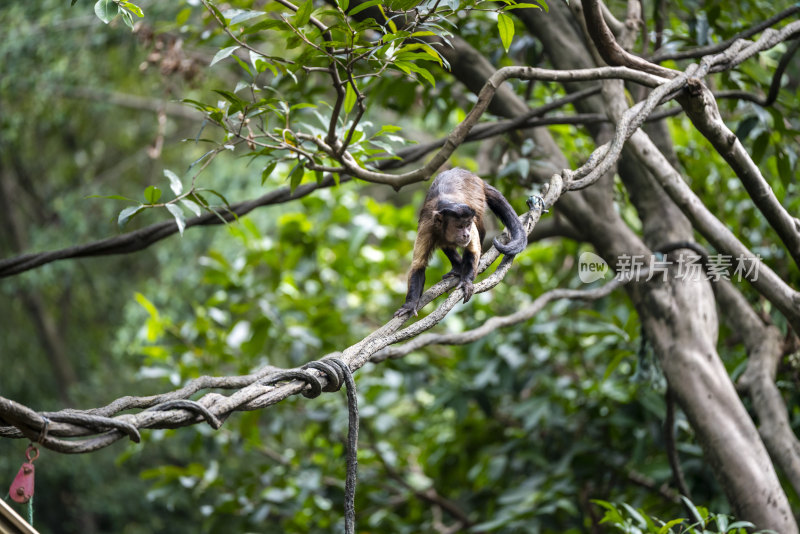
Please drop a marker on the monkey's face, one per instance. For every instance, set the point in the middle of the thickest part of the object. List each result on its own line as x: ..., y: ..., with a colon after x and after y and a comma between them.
x: 458, y: 231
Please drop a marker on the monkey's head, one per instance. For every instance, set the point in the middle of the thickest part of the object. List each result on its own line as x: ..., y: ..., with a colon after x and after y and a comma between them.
x: 455, y: 223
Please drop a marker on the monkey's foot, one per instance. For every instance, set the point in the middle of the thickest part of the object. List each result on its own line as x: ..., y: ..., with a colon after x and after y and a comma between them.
x: 452, y: 274
x: 407, y: 308
x: 468, y: 288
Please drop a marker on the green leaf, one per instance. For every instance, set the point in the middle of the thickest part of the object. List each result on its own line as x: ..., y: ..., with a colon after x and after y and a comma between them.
x: 245, y: 16
x: 261, y: 64
x: 127, y: 18
x: 293, y: 42
x: 127, y: 214
x: 349, y: 98
x: 361, y: 7
x: 614, y: 363
x: 183, y: 15
x: 268, y: 171
x: 237, y: 104
x: 296, y: 176
x: 389, y: 22
x: 740, y: 524
x: 105, y: 10
x: 174, y: 182
x: 222, y: 54
x: 244, y: 65
x: 429, y: 53
x: 191, y: 206
x: 506, y: 26
x: 145, y: 303
x: 112, y: 197
x: 667, y: 528
x: 303, y: 14
x: 408, y: 67
x: 265, y: 25
x: 217, y: 13
x: 343, y: 4
x: 522, y: 6
x: 217, y: 194
x: 635, y: 514
x: 760, y: 146
x: 401, y: 5
x: 692, y: 509
x: 152, y: 194
x: 133, y: 8
x: 784, y: 168
x: 230, y: 96
x: 389, y: 128
x: 177, y: 213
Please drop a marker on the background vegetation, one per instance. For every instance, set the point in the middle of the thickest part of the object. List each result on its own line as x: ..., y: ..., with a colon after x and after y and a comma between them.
x: 520, y: 431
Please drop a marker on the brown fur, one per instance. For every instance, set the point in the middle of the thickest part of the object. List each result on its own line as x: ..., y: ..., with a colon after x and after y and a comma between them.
x: 451, y: 217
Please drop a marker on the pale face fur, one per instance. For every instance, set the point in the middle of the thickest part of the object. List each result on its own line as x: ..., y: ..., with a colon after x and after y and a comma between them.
x: 458, y: 231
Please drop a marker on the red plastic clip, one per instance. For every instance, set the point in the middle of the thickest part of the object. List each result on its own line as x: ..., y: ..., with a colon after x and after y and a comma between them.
x: 21, y: 489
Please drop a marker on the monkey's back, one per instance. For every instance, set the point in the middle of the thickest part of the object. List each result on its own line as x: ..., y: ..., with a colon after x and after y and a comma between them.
x: 458, y: 186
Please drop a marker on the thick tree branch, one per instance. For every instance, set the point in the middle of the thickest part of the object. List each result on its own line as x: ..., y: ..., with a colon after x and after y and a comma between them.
x: 765, y: 280
x: 701, y: 108
x: 255, y: 390
x: 764, y: 344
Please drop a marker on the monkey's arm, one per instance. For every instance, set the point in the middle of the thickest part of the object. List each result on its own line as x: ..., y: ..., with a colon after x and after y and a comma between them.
x: 469, y: 263
x: 423, y: 247
x: 455, y: 261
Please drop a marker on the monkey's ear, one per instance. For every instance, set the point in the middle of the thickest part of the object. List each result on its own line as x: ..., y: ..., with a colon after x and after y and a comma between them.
x: 437, y: 217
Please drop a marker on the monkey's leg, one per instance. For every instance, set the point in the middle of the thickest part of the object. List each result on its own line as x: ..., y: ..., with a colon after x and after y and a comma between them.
x: 416, y: 283
x: 455, y: 260
x: 469, y: 264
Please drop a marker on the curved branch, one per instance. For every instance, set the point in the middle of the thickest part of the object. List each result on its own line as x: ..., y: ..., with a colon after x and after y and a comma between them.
x: 256, y: 389
x: 695, y: 53
x: 494, y: 323
x: 610, y: 50
x: 144, y: 237
x: 460, y: 132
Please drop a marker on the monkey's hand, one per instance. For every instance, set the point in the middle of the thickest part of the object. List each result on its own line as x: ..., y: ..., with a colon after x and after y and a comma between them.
x: 453, y: 273
x: 468, y: 288
x: 407, y: 308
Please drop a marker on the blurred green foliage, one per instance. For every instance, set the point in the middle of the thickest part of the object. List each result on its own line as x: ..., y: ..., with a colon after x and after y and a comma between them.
x: 521, y: 430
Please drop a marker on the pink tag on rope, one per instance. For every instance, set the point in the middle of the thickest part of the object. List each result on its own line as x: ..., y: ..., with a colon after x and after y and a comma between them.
x: 21, y: 489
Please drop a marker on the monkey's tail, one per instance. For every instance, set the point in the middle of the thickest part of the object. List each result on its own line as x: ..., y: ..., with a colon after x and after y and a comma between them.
x: 500, y: 206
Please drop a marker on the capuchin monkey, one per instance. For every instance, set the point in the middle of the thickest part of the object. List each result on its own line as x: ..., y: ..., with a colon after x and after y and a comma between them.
x: 451, y: 217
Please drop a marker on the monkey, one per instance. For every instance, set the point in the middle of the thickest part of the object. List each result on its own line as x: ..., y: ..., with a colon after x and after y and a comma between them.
x: 452, y: 217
